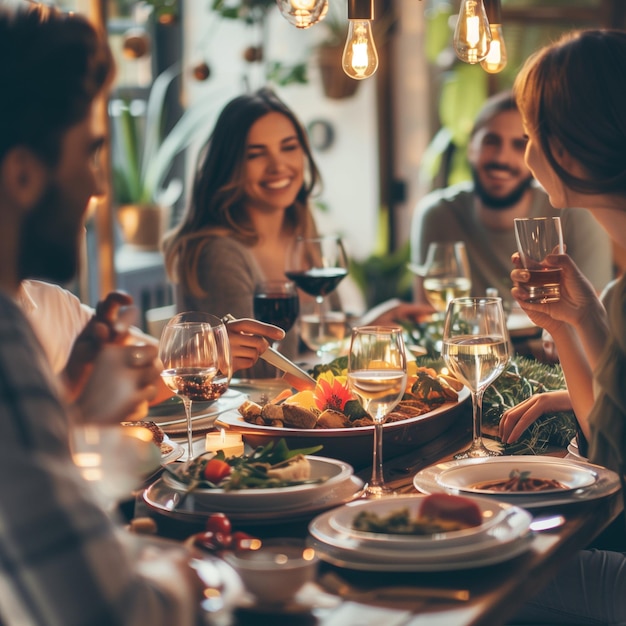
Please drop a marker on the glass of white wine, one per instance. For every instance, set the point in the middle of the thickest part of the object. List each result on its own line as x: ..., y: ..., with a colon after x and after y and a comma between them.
x: 195, y: 354
x: 476, y: 349
x: 377, y: 377
x: 445, y: 274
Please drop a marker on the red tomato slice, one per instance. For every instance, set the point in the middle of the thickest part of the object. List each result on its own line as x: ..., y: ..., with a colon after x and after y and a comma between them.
x: 215, y: 471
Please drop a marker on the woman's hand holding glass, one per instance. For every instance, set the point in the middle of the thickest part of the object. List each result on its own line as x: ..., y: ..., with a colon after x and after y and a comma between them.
x: 577, y: 295
x: 377, y: 377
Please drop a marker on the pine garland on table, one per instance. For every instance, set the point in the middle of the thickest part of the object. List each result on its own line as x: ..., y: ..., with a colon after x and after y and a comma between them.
x: 523, y: 378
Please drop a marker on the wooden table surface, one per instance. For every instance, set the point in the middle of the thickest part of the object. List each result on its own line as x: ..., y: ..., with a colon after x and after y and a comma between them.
x: 495, y: 592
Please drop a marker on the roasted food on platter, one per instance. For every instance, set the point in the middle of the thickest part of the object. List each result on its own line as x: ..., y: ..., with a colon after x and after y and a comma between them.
x: 519, y: 481
x: 439, y: 513
x: 331, y: 404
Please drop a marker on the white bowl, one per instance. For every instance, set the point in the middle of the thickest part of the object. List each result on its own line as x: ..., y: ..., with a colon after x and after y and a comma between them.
x: 276, y: 571
x: 330, y: 472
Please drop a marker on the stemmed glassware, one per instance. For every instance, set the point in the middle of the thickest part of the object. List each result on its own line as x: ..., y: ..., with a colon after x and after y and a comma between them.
x: 476, y: 349
x: 195, y: 353
x: 445, y: 274
x: 377, y: 376
x: 317, y: 265
x: 276, y: 302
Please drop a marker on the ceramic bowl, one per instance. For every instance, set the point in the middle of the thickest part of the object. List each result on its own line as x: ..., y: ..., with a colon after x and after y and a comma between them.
x: 276, y: 571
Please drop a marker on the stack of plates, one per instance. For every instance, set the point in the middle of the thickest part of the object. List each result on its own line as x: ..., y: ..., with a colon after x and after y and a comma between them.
x: 337, y: 485
x: 503, y: 535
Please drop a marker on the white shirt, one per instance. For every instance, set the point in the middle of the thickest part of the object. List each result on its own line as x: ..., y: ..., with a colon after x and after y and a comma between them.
x: 57, y: 317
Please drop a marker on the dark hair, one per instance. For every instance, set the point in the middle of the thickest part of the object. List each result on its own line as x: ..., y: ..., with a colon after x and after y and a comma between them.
x: 53, y: 66
x: 217, y: 203
x: 492, y: 107
x: 574, y: 92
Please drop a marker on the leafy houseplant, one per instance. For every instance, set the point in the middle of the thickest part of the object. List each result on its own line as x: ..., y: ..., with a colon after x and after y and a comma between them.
x: 142, y: 159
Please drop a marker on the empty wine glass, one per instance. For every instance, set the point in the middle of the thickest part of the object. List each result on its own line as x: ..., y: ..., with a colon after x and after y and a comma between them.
x: 317, y: 265
x: 476, y: 349
x: 445, y: 273
x: 195, y: 353
x: 377, y: 377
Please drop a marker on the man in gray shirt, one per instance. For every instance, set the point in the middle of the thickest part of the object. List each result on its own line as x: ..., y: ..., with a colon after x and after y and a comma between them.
x: 481, y: 212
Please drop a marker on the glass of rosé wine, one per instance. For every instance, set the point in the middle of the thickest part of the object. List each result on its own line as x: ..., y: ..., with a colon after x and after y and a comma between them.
x: 195, y: 352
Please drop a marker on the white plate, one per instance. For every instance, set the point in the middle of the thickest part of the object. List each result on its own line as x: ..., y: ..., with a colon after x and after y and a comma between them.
x: 172, y: 411
x: 342, y: 520
x: 174, y: 454
x: 352, y: 560
x: 234, y: 419
x: 606, y: 481
x: 513, y: 523
x: 161, y: 498
x: 573, y: 451
x: 464, y: 477
x: 332, y: 471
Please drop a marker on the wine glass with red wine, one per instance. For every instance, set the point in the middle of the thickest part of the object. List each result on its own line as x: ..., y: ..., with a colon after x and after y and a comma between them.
x: 276, y: 302
x: 195, y: 353
x: 317, y: 265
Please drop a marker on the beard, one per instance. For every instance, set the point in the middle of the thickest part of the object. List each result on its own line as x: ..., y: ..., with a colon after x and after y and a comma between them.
x: 48, y: 241
x: 499, y: 203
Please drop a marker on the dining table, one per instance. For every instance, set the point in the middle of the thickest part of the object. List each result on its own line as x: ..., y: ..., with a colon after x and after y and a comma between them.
x: 481, y: 596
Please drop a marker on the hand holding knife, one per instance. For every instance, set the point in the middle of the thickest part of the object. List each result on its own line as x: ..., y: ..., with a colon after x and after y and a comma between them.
x: 295, y: 375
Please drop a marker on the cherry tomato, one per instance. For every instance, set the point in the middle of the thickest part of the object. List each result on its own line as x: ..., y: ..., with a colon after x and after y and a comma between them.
x: 215, y: 471
x: 218, y: 523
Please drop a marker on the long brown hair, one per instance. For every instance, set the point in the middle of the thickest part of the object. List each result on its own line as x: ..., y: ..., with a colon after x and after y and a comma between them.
x: 217, y: 203
x: 574, y: 92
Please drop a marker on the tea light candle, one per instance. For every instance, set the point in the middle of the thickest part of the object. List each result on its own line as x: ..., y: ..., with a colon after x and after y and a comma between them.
x: 230, y: 443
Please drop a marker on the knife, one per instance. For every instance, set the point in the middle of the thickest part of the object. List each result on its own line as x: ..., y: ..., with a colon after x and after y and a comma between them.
x: 275, y: 358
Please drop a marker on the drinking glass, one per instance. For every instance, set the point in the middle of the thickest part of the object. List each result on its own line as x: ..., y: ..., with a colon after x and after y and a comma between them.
x: 317, y: 265
x: 325, y: 333
x: 276, y: 302
x: 536, y: 238
x: 114, y: 459
x: 377, y: 377
x: 445, y: 273
x: 195, y: 353
x: 476, y: 349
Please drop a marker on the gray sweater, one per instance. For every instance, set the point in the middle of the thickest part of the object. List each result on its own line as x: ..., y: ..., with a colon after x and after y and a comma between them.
x: 229, y: 273
x: 450, y: 215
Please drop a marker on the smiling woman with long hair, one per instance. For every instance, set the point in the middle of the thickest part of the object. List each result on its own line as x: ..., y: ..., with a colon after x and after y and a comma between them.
x: 250, y: 202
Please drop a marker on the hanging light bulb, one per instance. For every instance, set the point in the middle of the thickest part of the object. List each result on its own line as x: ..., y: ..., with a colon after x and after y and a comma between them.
x: 472, y: 35
x: 360, y: 58
x: 496, y: 59
x: 303, y: 13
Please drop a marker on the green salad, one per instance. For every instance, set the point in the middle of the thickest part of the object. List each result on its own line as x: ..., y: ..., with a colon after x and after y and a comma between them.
x: 270, y: 466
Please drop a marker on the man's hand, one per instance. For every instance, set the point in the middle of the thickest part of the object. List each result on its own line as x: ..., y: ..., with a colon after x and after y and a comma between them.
x: 110, y: 324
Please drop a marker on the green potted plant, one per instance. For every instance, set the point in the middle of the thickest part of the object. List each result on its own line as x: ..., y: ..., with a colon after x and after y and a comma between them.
x: 143, y: 157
